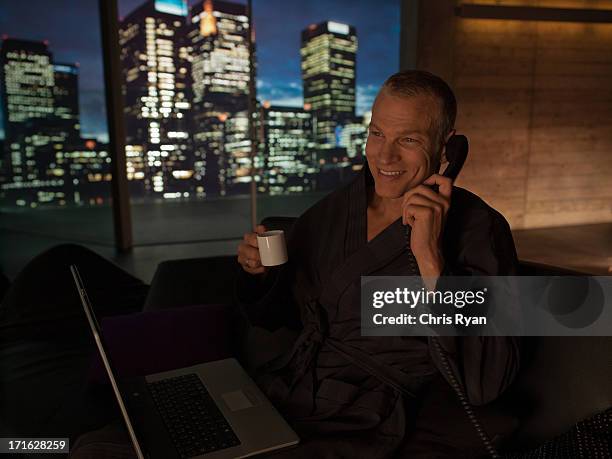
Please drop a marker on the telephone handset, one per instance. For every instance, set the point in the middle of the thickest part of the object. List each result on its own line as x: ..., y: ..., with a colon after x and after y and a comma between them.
x: 456, y: 154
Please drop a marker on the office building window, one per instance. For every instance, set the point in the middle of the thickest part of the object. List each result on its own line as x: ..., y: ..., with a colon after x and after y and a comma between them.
x: 185, y: 80
x: 55, y: 170
x: 186, y: 70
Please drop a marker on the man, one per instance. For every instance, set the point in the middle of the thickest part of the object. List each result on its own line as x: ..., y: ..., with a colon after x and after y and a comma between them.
x: 355, y: 396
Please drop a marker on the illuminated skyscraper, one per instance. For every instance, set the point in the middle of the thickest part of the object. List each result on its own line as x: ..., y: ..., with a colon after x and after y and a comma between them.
x: 157, y: 99
x: 218, y: 44
x: 86, y: 167
x: 289, y: 163
x: 26, y: 90
x: 63, y: 172
x: 50, y: 163
x: 33, y: 180
x: 328, y: 54
x: 66, y: 98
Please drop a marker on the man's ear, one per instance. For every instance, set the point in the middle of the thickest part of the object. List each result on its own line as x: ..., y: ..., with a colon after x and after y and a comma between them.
x: 443, y: 159
x: 451, y: 133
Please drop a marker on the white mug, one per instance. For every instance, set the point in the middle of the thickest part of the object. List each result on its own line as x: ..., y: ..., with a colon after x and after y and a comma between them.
x: 272, y: 248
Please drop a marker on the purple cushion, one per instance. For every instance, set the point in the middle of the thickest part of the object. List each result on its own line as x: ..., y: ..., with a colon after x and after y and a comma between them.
x: 154, y: 341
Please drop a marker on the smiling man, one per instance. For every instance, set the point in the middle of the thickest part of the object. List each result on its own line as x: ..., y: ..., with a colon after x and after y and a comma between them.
x: 349, y: 395
x: 412, y: 119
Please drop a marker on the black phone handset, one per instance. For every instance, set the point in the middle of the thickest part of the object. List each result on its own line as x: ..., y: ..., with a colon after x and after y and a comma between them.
x: 456, y: 154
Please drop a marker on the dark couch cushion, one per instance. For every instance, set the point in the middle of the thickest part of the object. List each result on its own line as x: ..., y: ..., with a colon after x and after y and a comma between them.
x: 442, y: 428
x: 192, y: 281
x: 563, y: 380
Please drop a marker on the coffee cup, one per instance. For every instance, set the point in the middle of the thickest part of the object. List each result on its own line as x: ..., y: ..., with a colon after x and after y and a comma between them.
x: 272, y: 248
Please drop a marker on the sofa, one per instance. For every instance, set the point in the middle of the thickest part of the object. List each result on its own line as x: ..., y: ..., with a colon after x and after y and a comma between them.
x: 562, y: 379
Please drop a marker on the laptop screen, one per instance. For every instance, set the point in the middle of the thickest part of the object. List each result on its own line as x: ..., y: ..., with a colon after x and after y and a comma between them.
x: 97, y: 332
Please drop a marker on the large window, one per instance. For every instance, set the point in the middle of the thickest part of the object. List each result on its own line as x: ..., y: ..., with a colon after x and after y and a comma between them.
x: 187, y: 97
x: 54, y: 157
x: 319, y: 65
x: 186, y: 70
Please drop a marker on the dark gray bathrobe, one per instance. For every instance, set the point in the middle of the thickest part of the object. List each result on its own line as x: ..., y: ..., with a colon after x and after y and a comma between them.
x: 353, y: 396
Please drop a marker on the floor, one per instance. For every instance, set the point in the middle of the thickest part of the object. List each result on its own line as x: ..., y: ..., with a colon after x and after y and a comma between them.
x: 16, y: 249
x: 154, y: 223
x: 586, y: 248
x: 161, y: 231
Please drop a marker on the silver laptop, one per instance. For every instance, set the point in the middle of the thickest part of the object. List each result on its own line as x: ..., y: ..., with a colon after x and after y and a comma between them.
x: 211, y: 410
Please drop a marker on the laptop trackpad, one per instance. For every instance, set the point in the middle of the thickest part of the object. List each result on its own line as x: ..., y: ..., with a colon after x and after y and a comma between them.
x: 239, y: 400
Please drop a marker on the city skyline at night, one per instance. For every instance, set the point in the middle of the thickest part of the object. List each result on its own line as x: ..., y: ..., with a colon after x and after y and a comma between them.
x: 72, y: 31
x: 45, y: 159
x: 185, y: 75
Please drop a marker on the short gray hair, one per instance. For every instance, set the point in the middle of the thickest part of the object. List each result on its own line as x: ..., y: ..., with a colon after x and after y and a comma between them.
x: 412, y: 82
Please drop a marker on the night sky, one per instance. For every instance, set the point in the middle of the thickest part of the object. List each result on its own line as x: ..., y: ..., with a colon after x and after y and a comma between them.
x: 72, y: 29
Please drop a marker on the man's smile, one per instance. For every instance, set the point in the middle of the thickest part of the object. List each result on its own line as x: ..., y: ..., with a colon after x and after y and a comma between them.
x: 390, y: 174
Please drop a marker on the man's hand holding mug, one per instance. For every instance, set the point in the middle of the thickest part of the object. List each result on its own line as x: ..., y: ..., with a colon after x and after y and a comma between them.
x: 261, y: 249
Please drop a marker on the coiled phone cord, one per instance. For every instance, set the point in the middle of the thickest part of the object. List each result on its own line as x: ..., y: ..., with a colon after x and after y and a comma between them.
x: 467, y: 407
x: 456, y: 385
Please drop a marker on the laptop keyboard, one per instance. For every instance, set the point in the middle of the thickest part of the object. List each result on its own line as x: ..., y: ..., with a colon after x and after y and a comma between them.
x: 195, y: 423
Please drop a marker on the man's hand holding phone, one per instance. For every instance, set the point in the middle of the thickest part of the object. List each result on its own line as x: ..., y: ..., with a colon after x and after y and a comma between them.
x: 425, y: 210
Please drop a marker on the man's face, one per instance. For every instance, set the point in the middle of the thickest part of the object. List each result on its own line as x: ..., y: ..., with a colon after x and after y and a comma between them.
x: 400, y: 149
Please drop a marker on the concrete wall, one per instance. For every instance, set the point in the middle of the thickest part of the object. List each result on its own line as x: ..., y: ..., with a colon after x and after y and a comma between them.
x: 535, y: 100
